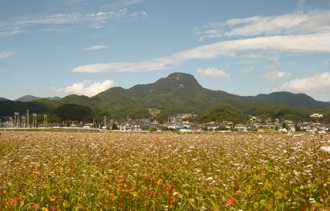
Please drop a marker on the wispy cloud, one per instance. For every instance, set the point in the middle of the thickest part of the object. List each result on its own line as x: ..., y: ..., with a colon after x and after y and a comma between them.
x: 300, y: 5
x: 326, y: 62
x: 296, y: 32
x: 121, y: 4
x: 213, y: 72
x: 93, y: 20
x: 5, y: 54
x: 273, y: 76
x: 143, y: 66
x: 295, y: 23
x: 308, y: 43
x: 86, y: 88
x: 315, y: 85
x: 96, y: 47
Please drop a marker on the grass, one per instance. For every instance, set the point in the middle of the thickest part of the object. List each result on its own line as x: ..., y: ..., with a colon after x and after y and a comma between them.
x: 163, y: 171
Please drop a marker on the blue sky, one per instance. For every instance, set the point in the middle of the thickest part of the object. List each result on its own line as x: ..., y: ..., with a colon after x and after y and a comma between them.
x: 56, y: 48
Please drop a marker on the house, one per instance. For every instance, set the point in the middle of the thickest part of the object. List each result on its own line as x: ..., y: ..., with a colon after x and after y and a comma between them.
x: 89, y: 126
x: 325, y: 127
x: 211, y: 126
x: 55, y: 125
x: 241, y: 127
x: 137, y: 126
x: 170, y: 125
x: 195, y: 128
x: 125, y: 126
x: 305, y: 126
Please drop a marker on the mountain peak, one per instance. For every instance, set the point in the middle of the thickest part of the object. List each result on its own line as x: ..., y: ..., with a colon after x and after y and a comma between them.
x: 178, y: 76
x: 27, y: 98
x: 183, y: 80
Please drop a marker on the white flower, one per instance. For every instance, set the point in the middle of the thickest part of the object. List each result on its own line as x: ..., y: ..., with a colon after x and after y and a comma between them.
x: 326, y: 149
x: 312, y: 200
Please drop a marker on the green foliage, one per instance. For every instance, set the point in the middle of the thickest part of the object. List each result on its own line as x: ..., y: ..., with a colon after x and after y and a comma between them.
x: 79, y: 100
x: 50, y: 104
x: 152, y: 129
x: 222, y: 112
x: 285, y: 112
x: 7, y: 108
x: 290, y: 99
x: 73, y: 112
x: 178, y: 93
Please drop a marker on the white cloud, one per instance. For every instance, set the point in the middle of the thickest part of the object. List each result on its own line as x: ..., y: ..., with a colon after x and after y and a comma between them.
x: 273, y: 76
x: 326, y: 62
x: 249, y: 69
x: 93, y: 20
x: 96, y: 47
x: 71, y: 18
x: 293, y: 43
x: 309, y: 43
x: 300, y: 5
x: 86, y: 88
x: 295, y: 23
x: 143, y: 66
x: 276, y: 62
x: 121, y: 4
x: 316, y: 85
x: 213, y: 72
x: 5, y: 54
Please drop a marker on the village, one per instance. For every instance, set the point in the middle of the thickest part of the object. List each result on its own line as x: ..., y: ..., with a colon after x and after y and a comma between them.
x: 174, y: 123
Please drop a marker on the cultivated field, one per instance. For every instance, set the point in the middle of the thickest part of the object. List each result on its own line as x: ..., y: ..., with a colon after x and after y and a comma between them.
x: 163, y: 171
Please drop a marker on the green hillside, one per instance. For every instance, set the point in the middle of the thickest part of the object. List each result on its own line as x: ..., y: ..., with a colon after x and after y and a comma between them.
x: 177, y: 93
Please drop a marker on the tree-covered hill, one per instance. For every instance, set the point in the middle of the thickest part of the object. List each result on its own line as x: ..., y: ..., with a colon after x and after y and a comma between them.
x: 177, y: 93
x: 290, y: 99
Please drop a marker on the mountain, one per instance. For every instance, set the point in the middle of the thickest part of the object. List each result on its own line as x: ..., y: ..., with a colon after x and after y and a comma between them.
x: 8, y: 107
x: 3, y: 99
x: 182, y: 91
x: 290, y: 99
x: 177, y: 93
x: 27, y: 98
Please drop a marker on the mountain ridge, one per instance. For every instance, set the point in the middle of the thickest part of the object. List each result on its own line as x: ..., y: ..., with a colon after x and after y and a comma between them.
x: 291, y: 99
x: 178, y: 80
x: 179, y: 92
x: 29, y: 98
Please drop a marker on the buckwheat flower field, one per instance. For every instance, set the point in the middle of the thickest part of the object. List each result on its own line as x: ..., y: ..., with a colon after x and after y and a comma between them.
x: 163, y: 171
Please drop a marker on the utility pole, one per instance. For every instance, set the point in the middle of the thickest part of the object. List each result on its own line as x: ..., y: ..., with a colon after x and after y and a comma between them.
x: 11, y: 122
x: 16, y: 117
x: 34, y: 121
x: 23, y: 118
x: 45, y: 119
x: 27, y: 119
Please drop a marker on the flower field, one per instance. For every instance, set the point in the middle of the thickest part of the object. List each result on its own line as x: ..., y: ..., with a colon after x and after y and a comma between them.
x: 163, y: 171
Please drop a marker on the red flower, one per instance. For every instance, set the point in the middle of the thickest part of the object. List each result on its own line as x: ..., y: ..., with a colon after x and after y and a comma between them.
x: 229, y: 201
x: 150, y: 193
x: 14, y: 201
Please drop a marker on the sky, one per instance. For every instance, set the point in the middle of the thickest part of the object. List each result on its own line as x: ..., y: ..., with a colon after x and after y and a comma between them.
x: 55, y: 48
